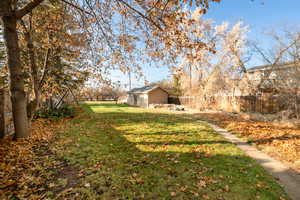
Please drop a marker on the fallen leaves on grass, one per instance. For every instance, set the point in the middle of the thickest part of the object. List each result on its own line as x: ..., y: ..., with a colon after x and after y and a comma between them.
x: 102, y: 161
x: 21, y: 168
x: 280, y: 141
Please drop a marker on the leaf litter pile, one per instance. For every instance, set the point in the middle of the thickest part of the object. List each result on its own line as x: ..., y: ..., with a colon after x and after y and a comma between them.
x: 27, y: 167
x: 113, y: 151
x: 279, y: 140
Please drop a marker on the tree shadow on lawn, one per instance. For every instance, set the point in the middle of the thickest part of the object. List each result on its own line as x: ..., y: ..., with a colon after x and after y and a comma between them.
x: 108, y: 105
x: 119, y: 163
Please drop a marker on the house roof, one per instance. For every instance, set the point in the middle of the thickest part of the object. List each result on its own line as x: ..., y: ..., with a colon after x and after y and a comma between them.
x: 272, y: 67
x: 146, y: 89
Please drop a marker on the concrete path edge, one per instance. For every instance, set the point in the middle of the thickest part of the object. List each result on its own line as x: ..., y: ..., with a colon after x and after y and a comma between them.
x: 289, y: 180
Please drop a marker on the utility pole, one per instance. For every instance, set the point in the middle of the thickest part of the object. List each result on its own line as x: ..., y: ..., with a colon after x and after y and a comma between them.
x: 190, y: 68
x: 129, y: 78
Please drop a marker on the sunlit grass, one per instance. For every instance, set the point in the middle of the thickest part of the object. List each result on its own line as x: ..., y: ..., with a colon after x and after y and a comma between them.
x: 135, y: 153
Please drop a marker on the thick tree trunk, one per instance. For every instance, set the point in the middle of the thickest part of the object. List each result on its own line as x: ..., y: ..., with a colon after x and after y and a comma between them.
x: 16, y: 78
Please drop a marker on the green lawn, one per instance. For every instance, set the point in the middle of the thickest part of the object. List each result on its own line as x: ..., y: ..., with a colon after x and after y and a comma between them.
x: 121, y: 152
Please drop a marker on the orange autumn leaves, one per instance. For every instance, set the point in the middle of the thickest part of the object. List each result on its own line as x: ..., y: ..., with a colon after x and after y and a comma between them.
x: 20, y: 171
x: 279, y: 141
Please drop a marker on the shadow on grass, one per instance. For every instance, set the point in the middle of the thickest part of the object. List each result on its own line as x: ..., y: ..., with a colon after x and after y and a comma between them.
x: 108, y: 105
x: 123, y: 162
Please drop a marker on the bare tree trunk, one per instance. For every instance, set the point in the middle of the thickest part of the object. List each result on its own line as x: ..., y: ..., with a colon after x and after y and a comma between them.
x: 190, y: 70
x: 129, y: 78
x: 35, y: 103
x: 16, y: 78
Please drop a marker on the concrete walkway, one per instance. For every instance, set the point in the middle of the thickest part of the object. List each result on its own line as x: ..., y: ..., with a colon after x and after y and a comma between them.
x: 286, y: 177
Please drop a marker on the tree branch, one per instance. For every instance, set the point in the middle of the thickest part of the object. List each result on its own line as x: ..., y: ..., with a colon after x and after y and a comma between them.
x: 141, y: 14
x: 28, y: 8
x: 260, y: 51
x: 45, y: 71
x: 93, y: 14
x: 76, y: 7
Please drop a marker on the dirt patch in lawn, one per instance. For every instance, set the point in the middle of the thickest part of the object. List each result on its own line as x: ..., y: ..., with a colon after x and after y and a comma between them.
x: 278, y: 140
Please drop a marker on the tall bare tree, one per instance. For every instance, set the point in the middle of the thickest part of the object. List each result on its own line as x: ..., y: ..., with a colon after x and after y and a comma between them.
x: 281, y: 74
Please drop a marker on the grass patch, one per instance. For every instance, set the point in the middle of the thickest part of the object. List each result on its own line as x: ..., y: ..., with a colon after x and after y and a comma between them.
x: 124, y: 152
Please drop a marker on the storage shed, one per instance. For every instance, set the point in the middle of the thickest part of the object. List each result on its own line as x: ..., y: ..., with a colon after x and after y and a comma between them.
x: 147, y: 95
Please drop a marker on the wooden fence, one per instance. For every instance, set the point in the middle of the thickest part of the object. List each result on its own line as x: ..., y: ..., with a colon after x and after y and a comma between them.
x: 261, y: 104
x: 99, y: 98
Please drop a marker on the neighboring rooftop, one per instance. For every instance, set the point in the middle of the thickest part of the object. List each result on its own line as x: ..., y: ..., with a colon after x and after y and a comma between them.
x: 145, y: 89
x: 272, y: 67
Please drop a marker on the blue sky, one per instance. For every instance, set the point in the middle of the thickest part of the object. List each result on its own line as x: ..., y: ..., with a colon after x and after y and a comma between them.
x: 259, y: 15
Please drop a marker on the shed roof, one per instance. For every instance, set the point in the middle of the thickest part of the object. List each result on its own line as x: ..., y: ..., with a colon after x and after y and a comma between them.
x: 146, y: 89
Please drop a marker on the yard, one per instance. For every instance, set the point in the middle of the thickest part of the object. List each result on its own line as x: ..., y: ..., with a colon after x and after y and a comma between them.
x: 111, y: 151
x: 280, y: 140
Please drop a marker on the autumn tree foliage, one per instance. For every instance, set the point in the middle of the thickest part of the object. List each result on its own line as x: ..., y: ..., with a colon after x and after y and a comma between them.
x: 105, y: 92
x: 136, y: 33
x: 216, y: 68
x: 172, y: 85
x: 53, y: 61
x: 11, y: 12
x: 116, y: 29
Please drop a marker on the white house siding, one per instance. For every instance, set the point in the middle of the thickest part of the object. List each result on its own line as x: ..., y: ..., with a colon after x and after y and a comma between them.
x: 130, y: 99
x: 142, y: 100
x: 138, y: 99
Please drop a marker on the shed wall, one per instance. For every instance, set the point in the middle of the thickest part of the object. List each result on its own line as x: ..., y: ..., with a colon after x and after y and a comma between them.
x: 138, y: 99
x: 158, y: 96
x: 130, y: 100
x: 142, y: 100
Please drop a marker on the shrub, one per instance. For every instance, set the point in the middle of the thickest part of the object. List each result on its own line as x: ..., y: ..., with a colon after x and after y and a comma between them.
x: 61, y: 112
